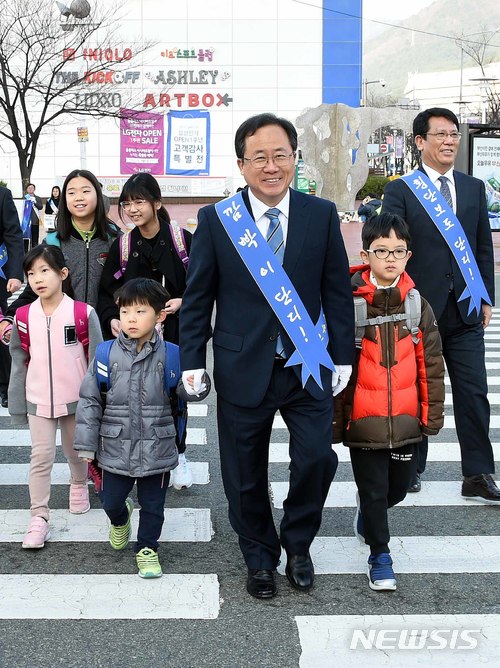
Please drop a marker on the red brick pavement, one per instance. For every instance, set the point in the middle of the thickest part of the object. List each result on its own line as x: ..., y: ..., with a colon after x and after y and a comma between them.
x: 351, y: 232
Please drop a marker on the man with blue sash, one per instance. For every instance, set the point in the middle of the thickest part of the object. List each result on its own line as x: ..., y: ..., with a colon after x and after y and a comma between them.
x: 273, y: 262
x: 452, y: 265
x: 11, y: 272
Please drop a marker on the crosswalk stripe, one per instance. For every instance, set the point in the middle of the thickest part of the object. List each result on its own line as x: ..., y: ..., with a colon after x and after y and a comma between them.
x: 449, y: 422
x: 333, y: 640
x: 17, y: 474
x: 109, y: 597
x: 181, y: 525
x: 438, y: 452
x: 21, y: 437
x: 342, y: 495
x: 334, y: 555
x: 197, y: 410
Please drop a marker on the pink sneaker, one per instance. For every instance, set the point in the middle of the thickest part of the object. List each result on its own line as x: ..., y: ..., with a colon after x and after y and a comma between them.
x: 38, y: 532
x: 79, y: 499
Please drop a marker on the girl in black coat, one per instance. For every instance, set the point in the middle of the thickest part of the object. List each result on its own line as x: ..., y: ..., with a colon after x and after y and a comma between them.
x: 152, y: 253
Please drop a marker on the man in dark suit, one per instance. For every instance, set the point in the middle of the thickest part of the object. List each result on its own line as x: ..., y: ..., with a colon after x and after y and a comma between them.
x: 12, y: 236
x: 35, y: 216
x: 250, y: 375
x: 437, y: 276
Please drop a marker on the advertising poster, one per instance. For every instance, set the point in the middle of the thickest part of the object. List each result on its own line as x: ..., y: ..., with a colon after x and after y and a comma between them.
x: 485, y: 165
x: 141, y: 142
x: 188, y: 143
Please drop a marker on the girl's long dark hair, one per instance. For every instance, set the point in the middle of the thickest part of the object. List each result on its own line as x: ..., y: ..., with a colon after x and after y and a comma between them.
x: 104, y: 227
x: 143, y: 186
x: 54, y: 257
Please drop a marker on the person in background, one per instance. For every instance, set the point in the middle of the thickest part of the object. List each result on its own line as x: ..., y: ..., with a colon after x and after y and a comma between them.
x: 35, y: 216
x: 52, y: 203
x: 11, y: 273
x: 45, y: 383
x: 434, y: 266
x: 106, y: 200
x: 152, y: 251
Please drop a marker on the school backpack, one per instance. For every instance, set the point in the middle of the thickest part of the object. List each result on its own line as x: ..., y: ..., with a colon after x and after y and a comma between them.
x: 412, y: 314
x: 81, y: 327
x: 172, y: 378
x: 178, y: 239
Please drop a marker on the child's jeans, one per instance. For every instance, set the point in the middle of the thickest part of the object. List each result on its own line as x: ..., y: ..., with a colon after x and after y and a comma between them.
x: 151, y: 491
x: 382, y: 477
x: 43, y: 452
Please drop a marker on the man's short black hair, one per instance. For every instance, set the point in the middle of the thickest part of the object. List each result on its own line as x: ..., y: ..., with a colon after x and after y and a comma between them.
x: 254, y: 123
x: 142, y: 291
x: 421, y: 120
x: 378, y: 226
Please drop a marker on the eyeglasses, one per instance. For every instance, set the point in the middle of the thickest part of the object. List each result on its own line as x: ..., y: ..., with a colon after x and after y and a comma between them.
x: 136, y: 203
x: 383, y: 253
x: 280, y: 160
x: 441, y: 136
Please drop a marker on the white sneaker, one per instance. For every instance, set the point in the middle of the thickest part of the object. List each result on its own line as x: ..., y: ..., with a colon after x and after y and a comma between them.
x: 181, y: 477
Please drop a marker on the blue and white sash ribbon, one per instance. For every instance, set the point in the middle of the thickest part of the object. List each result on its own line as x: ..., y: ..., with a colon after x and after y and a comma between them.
x: 26, y: 222
x: 3, y: 260
x: 453, y: 233
x: 310, y: 340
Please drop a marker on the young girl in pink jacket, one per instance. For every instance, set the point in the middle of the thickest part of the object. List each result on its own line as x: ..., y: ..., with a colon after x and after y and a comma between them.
x: 45, y: 381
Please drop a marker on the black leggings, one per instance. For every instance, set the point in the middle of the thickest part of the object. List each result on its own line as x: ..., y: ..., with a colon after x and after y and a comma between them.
x: 382, y: 477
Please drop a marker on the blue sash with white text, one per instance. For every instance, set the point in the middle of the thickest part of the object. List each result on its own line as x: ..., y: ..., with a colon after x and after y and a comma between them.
x: 310, y: 340
x: 26, y: 221
x: 3, y: 259
x: 452, y: 231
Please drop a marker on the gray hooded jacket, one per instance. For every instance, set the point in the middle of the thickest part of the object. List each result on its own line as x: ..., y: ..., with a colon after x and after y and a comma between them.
x: 135, y: 436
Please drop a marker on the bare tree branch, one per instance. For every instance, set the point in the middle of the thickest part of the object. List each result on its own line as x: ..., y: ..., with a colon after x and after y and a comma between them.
x: 51, y: 67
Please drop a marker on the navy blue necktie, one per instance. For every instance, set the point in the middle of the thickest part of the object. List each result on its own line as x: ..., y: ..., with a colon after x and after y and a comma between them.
x: 274, y: 235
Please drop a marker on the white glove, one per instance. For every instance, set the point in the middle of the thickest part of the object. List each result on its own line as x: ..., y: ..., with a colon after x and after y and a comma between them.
x: 340, y: 378
x: 196, y: 376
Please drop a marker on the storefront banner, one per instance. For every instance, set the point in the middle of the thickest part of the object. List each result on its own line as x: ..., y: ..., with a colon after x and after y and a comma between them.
x: 188, y: 143
x: 141, y: 142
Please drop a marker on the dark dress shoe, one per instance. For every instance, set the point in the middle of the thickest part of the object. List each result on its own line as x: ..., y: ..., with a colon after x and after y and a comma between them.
x: 5, y: 401
x: 300, y: 572
x: 260, y: 583
x: 481, y: 487
x: 416, y: 484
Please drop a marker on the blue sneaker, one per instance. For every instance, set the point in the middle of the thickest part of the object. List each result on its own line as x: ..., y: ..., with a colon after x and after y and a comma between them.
x: 380, y: 573
x: 358, y: 524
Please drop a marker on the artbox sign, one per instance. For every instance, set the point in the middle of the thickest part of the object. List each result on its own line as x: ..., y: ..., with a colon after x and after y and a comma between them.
x: 141, y: 142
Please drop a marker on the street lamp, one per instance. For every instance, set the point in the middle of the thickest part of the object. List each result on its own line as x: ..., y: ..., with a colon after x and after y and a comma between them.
x: 365, y: 89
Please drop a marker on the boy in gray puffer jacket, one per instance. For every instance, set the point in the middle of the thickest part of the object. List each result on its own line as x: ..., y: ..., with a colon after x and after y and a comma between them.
x: 132, y: 432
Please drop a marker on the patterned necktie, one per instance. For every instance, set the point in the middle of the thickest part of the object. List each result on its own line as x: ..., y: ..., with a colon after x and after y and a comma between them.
x: 276, y: 242
x: 275, y: 234
x: 445, y: 190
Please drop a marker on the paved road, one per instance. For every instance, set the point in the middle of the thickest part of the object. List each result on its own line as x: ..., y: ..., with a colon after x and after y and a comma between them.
x: 77, y: 603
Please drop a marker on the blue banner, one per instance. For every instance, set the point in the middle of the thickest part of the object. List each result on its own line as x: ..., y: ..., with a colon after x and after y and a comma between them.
x: 310, y: 340
x: 26, y: 222
x: 3, y: 260
x: 453, y: 233
x: 188, y: 143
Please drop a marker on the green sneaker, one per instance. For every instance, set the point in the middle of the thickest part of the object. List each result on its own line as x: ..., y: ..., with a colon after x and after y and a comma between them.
x: 119, y: 536
x: 148, y: 564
